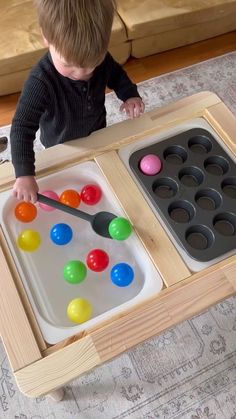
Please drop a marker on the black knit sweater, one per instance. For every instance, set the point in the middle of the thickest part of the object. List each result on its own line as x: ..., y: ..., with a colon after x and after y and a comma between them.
x: 62, y: 108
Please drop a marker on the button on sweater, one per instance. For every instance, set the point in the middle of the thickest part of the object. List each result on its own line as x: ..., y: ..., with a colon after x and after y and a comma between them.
x: 62, y: 108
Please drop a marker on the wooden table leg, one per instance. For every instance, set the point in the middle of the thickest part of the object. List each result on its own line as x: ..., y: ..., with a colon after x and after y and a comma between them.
x: 57, y: 395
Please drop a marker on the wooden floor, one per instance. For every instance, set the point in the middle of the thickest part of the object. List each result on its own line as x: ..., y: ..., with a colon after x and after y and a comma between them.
x: 152, y: 66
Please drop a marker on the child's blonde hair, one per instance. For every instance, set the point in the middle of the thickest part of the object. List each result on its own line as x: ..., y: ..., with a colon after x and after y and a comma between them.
x: 78, y: 29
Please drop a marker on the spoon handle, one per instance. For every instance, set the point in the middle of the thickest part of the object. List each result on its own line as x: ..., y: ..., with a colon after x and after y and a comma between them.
x: 66, y: 208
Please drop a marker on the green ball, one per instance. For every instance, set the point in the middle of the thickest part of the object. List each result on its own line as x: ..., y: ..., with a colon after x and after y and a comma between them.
x: 75, y: 271
x: 120, y: 228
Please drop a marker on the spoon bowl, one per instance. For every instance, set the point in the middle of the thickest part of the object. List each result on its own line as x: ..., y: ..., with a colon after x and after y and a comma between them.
x: 99, y: 221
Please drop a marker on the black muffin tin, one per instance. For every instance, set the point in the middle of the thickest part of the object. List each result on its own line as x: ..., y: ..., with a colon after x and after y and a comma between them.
x: 194, y: 193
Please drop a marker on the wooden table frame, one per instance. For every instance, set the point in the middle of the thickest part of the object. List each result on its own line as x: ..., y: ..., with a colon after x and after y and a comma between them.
x: 42, y: 369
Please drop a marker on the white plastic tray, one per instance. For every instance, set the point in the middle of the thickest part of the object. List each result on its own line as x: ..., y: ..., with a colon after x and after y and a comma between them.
x: 42, y: 270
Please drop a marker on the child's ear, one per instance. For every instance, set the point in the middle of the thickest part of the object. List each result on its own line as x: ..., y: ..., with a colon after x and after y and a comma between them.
x: 44, y: 39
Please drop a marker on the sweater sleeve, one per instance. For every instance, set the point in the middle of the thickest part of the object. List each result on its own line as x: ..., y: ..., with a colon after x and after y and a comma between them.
x: 119, y: 81
x: 25, y: 124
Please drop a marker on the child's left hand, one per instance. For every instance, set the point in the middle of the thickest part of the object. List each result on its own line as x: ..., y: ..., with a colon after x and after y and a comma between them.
x: 133, y: 107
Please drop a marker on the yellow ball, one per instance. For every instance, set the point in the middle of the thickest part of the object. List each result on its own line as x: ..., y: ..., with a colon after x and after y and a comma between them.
x: 79, y: 310
x: 29, y: 240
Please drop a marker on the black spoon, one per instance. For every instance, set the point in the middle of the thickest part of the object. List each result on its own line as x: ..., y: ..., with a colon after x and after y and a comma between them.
x: 99, y: 221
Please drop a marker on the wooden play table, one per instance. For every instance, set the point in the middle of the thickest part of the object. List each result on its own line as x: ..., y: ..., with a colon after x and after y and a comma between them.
x: 40, y: 368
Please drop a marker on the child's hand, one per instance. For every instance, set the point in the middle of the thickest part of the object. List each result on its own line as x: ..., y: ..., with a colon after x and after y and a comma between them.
x: 133, y: 107
x: 26, y: 188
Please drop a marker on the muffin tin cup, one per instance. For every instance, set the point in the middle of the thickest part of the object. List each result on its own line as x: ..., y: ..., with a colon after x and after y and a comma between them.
x: 194, y: 193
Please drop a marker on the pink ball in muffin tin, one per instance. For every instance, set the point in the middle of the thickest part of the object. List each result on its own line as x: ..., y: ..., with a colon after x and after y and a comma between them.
x: 150, y: 164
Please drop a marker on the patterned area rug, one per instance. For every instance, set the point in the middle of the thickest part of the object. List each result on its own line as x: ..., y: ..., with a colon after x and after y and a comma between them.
x: 188, y: 372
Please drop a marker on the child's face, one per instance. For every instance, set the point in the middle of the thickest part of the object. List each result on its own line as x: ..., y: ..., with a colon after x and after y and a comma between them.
x: 67, y: 70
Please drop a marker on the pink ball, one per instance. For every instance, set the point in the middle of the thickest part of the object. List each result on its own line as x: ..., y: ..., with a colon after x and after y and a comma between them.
x: 150, y: 164
x: 49, y: 194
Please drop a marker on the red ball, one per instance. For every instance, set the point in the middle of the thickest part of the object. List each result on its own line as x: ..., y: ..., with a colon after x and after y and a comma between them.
x: 91, y: 194
x: 97, y: 260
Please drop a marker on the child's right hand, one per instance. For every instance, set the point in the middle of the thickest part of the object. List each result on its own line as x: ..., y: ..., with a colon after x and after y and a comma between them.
x: 26, y: 188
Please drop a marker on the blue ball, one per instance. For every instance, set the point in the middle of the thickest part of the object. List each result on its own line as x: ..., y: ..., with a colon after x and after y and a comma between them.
x: 122, y: 274
x: 61, y: 234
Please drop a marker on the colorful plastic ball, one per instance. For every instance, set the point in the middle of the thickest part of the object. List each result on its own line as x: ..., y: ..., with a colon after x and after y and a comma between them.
x: 97, y: 260
x: 75, y: 271
x: 91, y: 194
x: 25, y: 212
x: 150, y: 164
x: 122, y: 274
x: 79, y: 310
x: 120, y: 228
x: 49, y: 194
x: 70, y: 197
x: 61, y: 234
x: 29, y: 240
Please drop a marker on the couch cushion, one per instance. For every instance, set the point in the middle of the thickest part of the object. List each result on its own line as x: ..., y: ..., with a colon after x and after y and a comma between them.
x: 159, y: 42
x: 118, y: 34
x: 145, y: 18
x: 21, y: 42
x: 20, y: 39
x: 119, y: 47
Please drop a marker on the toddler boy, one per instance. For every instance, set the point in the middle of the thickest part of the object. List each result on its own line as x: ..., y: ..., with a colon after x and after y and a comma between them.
x: 64, y: 95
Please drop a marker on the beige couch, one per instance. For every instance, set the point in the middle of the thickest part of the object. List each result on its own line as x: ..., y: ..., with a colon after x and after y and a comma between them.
x: 141, y: 28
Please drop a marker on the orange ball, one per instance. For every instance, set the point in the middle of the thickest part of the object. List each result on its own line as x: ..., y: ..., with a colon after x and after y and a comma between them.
x: 71, y: 198
x: 25, y: 212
